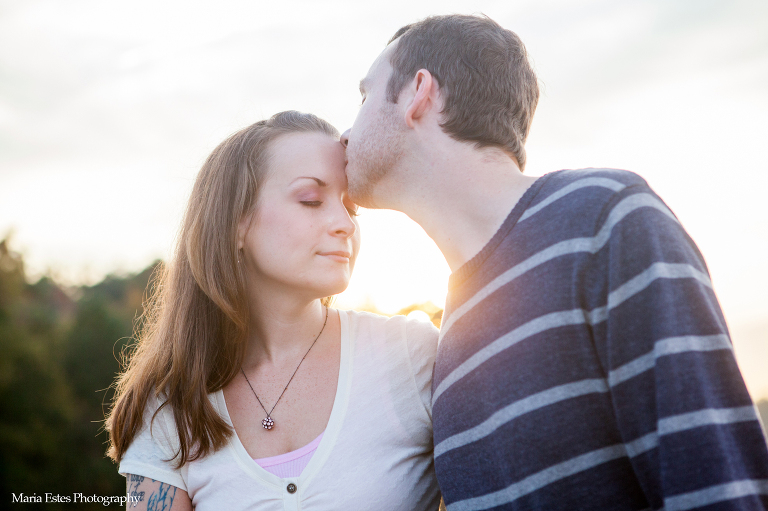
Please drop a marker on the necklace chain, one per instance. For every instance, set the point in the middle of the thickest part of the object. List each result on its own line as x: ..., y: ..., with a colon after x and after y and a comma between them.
x: 268, y: 422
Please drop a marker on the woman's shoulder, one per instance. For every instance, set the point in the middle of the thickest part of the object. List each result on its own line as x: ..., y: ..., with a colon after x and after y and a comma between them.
x: 159, y: 425
x: 154, y: 445
x: 158, y: 437
x: 396, y: 335
x: 381, y: 320
x: 399, y: 347
x: 411, y: 329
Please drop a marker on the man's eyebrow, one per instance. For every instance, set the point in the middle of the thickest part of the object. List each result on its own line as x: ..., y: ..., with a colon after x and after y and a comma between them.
x: 320, y: 182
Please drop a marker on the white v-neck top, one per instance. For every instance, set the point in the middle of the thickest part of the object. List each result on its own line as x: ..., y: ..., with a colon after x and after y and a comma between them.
x: 375, y: 454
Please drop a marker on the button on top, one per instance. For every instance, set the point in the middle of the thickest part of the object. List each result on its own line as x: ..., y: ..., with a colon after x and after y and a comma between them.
x: 291, y: 488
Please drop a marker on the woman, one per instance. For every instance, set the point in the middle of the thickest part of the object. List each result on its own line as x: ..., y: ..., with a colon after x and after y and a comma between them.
x: 246, y: 390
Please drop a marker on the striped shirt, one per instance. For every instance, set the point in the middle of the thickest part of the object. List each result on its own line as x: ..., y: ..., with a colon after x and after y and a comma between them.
x: 584, y: 363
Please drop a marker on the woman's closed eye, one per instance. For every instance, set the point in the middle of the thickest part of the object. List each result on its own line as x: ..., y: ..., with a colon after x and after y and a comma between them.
x: 317, y: 203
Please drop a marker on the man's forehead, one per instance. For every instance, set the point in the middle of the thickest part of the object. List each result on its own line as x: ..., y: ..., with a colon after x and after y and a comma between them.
x: 380, y: 66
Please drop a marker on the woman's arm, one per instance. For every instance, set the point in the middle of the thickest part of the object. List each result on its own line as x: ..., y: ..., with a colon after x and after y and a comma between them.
x: 145, y: 494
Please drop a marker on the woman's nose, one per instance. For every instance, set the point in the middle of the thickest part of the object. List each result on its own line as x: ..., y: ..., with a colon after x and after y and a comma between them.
x: 345, y: 138
x: 343, y: 225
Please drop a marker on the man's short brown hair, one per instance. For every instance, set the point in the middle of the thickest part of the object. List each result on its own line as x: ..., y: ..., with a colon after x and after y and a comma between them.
x: 482, y: 69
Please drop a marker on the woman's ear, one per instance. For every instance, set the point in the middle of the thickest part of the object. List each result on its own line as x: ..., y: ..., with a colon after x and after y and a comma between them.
x: 242, y: 230
x: 425, y: 97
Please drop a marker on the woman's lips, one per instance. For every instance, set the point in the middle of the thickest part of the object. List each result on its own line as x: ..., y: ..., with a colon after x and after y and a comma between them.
x: 340, y: 256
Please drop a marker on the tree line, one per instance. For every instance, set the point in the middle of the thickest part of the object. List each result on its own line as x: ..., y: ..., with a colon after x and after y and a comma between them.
x: 60, y: 355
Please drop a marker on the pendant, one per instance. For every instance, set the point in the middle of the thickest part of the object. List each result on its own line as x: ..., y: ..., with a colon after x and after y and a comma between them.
x: 268, y: 423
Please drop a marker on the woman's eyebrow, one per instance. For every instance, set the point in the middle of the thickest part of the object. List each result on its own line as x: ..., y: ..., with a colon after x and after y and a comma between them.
x: 320, y: 182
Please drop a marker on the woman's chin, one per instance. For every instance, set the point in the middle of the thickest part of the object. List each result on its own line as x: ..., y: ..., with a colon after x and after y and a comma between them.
x: 335, y: 287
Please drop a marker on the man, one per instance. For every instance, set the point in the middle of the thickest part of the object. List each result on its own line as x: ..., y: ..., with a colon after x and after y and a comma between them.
x: 584, y: 362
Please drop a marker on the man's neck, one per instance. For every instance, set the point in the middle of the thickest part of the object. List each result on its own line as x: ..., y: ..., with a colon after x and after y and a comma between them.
x: 461, y: 198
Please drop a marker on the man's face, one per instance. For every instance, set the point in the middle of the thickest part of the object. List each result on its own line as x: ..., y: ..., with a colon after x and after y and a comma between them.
x: 375, y: 141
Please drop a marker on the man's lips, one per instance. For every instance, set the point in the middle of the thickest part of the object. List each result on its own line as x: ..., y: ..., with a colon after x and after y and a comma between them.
x: 340, y: 256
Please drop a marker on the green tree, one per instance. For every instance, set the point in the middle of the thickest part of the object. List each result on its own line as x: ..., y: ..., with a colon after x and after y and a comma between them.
x: 34, y: 396
x: 59, y: 358
x: 101, y: 330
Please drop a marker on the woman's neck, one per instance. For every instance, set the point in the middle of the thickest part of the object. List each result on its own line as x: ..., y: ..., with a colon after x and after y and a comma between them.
x: 282, y: 329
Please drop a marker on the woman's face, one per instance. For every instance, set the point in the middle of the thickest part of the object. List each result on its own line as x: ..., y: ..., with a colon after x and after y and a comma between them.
x: 303, y: 236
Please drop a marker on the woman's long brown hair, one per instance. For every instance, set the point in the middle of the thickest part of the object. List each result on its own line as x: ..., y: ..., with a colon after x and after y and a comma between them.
x: 192, y: 337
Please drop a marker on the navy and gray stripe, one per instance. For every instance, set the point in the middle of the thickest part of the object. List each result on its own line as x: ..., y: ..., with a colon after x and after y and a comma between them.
x: 584, y: 363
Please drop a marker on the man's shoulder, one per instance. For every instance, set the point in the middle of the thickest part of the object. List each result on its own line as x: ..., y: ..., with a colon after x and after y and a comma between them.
x: 621, y: 177
x: 579, y: 193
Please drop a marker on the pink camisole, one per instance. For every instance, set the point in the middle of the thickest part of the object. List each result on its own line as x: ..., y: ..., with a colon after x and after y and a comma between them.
x: 290, y: 464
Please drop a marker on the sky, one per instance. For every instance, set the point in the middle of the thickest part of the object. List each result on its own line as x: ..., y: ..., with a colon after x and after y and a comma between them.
x: 108, y: 110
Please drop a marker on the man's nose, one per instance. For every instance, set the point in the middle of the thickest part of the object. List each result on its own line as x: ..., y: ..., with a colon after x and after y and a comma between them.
x: 345, y: 138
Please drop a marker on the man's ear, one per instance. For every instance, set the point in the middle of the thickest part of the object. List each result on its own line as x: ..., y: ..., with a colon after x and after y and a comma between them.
x: 425, y: 94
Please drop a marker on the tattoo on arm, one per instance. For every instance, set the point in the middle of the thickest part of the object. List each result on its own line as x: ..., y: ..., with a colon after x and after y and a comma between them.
x: 162, y: 499
x: 148, y: 494
x: 134, y: 495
